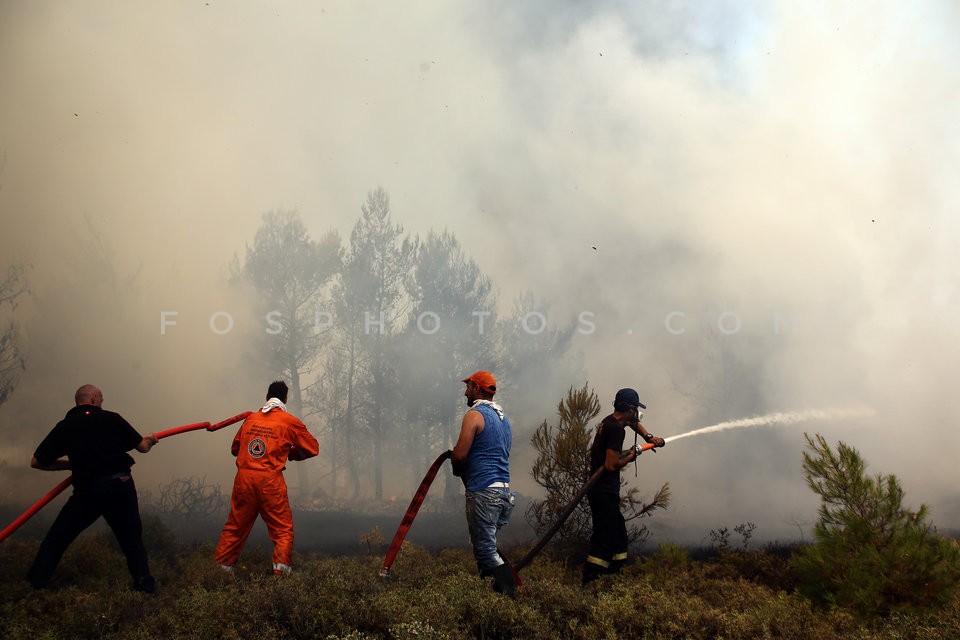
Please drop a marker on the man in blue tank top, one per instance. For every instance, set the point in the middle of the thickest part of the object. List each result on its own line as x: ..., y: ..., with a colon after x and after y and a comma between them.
x: 481, y: 458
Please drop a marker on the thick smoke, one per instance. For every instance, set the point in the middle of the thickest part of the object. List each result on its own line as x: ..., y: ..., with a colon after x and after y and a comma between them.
x: 751, y: 205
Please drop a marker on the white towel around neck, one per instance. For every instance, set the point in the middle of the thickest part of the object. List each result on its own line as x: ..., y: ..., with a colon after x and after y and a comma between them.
x: 493, y: 405
x: 273, y: 403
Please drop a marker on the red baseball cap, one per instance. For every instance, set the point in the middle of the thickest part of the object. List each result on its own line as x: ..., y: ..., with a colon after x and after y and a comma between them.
x: 484, y: 380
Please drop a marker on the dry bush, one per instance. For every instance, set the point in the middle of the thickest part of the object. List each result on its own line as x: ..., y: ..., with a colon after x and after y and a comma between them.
x: 191, y: 499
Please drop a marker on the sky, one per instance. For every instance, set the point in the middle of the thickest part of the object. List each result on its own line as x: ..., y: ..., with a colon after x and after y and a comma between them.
x: 751, y: 200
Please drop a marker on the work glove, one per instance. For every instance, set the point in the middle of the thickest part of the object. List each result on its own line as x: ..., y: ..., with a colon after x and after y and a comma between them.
x: 657, y: 442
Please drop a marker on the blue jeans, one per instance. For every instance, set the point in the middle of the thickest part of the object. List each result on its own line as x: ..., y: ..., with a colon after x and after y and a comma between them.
x: 487, y: 511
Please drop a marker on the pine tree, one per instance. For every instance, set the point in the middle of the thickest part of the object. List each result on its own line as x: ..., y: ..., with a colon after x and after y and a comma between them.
x: 289, y: 271
x: 371, y: 300
x: 562, y: 465
x: 870, y: 554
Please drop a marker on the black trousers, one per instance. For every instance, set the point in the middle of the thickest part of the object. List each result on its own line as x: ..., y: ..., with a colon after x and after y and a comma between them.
x: 114, y: 498
x: 609, y: 541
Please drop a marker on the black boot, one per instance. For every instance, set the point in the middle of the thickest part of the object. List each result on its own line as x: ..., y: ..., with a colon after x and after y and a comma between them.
x: 145, y: 584
x: 503, y: 581
x: 590, y: 573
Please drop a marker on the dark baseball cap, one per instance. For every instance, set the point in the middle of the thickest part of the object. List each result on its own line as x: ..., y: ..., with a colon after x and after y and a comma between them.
x: 628, y: 396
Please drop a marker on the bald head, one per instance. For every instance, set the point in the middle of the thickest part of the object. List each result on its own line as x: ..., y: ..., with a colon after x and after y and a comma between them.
x: 88, y: 394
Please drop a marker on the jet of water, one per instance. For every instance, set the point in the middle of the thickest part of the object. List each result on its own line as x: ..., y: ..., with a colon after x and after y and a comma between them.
x: 791, y: 417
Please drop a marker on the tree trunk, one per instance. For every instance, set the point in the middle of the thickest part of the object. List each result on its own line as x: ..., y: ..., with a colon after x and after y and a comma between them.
x: 295, y: 405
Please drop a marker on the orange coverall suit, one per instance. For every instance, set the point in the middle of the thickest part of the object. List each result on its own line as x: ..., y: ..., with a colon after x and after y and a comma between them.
x: 262, y: 446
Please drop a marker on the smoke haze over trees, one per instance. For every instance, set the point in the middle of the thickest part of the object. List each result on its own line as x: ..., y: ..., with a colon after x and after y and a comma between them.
x: 12, y: 361
x: 288, y: 272
x: 394, y: 322
x: 735, y: 210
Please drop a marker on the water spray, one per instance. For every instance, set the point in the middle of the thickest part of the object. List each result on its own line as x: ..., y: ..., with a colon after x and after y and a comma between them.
x: 790, y: 417
x: 770, y: 419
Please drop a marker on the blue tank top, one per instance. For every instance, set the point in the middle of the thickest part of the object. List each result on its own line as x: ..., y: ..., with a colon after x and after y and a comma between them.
x: 489, y: 457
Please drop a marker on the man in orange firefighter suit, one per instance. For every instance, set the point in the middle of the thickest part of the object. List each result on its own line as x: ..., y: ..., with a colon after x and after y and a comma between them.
x: 264, y: 443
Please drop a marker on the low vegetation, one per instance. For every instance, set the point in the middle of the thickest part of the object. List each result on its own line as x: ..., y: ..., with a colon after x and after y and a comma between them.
x: 874, y: 570
x: 723, y: 593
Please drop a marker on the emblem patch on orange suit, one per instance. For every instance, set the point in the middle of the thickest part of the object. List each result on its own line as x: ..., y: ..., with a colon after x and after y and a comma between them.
x: 257, y: 448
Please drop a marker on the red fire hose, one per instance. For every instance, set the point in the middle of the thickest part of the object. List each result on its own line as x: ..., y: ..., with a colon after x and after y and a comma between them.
x: 57, y: 490
x: 424, y: 487
x: 160, y: 435
x: 229, y: 421
x: 411, y: 513
x: 40, y: 504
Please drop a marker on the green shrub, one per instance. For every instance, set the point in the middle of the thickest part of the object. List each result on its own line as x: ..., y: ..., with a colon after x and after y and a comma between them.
x: 870, y: 554
x: 669, y: 556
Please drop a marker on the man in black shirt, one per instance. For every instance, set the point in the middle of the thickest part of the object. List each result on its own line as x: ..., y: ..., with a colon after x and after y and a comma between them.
x: 93, y: 444
x: 608, y: 542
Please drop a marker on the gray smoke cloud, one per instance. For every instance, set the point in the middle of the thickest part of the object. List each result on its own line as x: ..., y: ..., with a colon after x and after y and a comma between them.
x: 750, y: 201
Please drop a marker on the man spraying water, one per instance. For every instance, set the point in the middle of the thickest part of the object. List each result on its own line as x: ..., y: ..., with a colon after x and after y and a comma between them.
x: 600, y: 469
x: 609, y: 541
